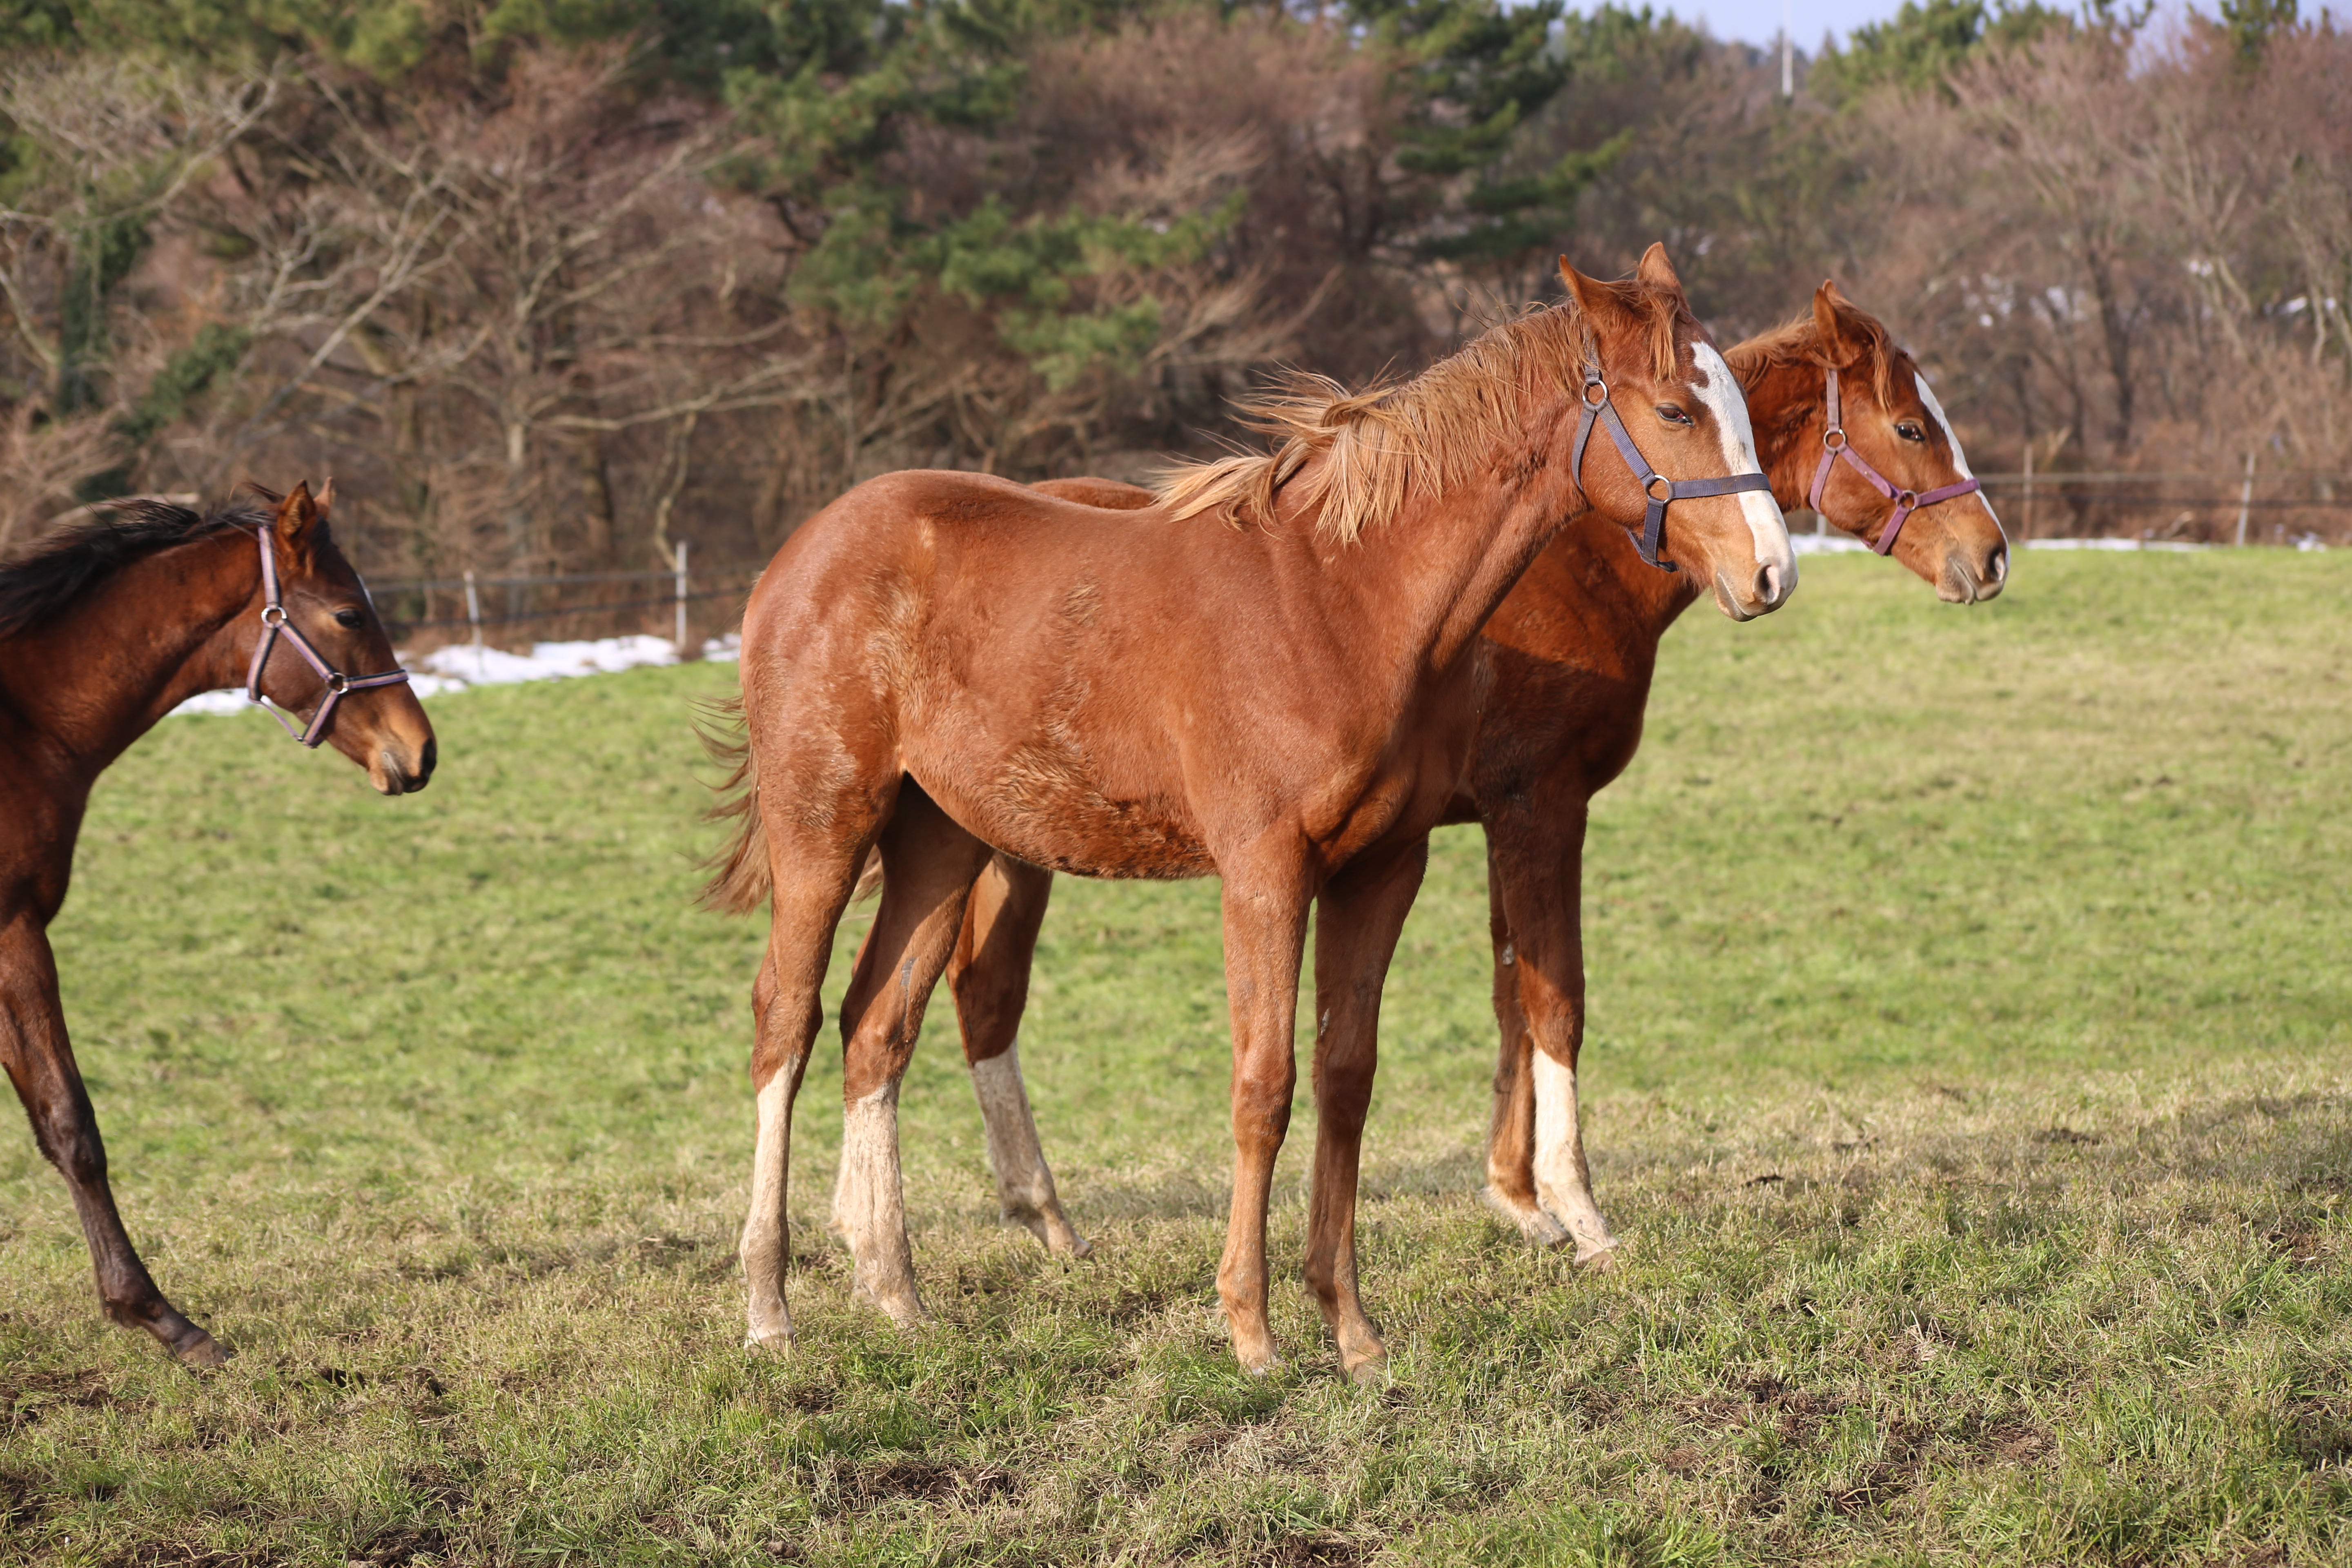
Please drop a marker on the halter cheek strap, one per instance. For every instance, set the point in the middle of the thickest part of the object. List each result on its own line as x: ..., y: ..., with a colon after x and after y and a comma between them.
x: 1834, y: 446
x: 1660, y: 490
x: 275, y: 622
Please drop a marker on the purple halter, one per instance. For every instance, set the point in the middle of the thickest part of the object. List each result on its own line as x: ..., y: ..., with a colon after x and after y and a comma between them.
x: 275, y: 620
x: 1905, y: 501
x: 1653, y: 520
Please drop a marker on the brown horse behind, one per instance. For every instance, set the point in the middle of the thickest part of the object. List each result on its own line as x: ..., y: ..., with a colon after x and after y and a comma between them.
x: 1573, y: 648
x: 1270, y: 676
x: 105, y: 627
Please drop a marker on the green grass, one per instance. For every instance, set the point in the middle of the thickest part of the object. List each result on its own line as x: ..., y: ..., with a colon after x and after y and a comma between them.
x: 1970, y: 1004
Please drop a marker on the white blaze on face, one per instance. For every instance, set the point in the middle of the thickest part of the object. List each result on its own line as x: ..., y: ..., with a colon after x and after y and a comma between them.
x: 1959, y: 458
x: 1723, y: 399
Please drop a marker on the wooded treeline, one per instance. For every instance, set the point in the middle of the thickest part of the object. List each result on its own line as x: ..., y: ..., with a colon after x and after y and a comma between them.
x: 549, y: 284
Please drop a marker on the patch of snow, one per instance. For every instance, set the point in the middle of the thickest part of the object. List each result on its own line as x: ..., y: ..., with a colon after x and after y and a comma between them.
x: 460, y: 666
x: 1826, y: 544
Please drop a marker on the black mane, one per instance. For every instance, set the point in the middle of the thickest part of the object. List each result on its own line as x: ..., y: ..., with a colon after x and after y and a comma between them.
x: 44, y: 581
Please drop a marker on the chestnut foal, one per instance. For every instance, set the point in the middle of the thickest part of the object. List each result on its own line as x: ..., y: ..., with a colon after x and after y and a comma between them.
x: 1573, y: 648
x: 105, y: 627
x: 1269, y: 676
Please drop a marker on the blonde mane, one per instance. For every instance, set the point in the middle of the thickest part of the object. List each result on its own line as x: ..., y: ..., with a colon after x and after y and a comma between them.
x: 1798, y: 341
x: 1421, y: 436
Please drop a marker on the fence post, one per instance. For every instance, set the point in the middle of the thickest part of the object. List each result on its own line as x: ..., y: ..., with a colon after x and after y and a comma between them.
x: 2025, y: 527
x: 681, y: 639
x: 474, y: 620
x: 2246, y: 495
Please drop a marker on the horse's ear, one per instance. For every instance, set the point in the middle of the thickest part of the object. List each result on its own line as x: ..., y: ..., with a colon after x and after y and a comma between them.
x: 298, y: 516
x: 326, y: 497
x: 1657, y: 270
x: 1829, y: 311
x: 1591, y: 297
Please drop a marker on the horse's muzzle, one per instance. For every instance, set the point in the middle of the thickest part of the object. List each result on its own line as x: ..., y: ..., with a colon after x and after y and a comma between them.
x: 1766, y: 592
x: 1966, y: 582
x: 396, y: 774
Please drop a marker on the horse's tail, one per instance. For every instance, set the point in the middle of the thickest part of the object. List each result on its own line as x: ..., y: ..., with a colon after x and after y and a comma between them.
x: 739, y: 872
x: 740, y: 875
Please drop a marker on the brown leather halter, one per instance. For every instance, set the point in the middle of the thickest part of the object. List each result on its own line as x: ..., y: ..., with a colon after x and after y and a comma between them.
x: 275, y: 621
x: 1656, y: 488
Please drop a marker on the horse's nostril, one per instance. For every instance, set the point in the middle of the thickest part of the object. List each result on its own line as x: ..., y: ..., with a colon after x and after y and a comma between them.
x: 1997, y: 564
x: 1768, y: 584
x: 425, y: 761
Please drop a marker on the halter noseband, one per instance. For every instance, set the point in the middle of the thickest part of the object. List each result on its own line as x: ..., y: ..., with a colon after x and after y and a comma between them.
x: 1660, y: 490
x: 274, y: 621
x: 1905, y: 501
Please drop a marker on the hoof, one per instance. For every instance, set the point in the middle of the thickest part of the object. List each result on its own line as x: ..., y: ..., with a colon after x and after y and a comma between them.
x: 1367, y: 1372
x: 1597, y: 1259
x: 183, y: 1341
x: 1534, y: 1224
x: 1256, y: 1354
x: 898, y: 1303
x: 769, y: 1331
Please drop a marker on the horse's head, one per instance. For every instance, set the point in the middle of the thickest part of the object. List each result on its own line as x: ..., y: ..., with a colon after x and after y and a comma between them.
x: 1686, y: 419
x: 382, y: 728
x: 1894, y: 423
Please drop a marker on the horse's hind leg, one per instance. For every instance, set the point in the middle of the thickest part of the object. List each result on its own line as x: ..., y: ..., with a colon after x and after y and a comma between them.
x: 989, y: 976
x: 812, y: 877
x: 1357, y: 924
x: 1536, y: 863
x: 929, y: 867
x: 1510, y: 1140
x: 40, y: 1063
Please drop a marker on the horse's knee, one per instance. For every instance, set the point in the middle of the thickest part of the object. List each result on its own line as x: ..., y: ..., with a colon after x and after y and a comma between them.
x: 73, y: 1146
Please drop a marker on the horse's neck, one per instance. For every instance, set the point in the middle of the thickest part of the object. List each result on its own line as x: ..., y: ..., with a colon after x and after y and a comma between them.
x: 1786, y: 408
x: 95, y: 678
x: 1434, y: 574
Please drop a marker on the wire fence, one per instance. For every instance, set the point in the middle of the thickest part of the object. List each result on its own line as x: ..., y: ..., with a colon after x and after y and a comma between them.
x: 565, y: 606
x: 2248, y: 508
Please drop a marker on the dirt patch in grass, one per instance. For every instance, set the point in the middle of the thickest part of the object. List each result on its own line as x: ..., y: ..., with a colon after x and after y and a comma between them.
x: 923, y: 1480
x: 28, y: 1397
x: 1319, y: 1550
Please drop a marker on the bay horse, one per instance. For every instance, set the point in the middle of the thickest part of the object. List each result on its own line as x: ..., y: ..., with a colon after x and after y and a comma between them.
x: 1269, y: 675
x: 1571, y: 650
x: 105, y: 625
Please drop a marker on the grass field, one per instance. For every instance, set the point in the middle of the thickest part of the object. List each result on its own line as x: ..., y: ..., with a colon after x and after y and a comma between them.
x: 1971, y: 1011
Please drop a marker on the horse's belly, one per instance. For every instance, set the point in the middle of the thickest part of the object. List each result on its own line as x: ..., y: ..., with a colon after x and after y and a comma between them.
x: 1040, y: 808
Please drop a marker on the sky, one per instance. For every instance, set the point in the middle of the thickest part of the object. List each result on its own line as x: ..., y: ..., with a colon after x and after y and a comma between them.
x: 1758, y: 21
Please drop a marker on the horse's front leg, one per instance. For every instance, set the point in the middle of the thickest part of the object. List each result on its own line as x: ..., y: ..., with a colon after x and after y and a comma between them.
x: 989, y: 976
x: 1361, y: 914
x: 40, y: 1062
x: 1265, y: 933
x: 1535, y: 864
x: 929, y: 866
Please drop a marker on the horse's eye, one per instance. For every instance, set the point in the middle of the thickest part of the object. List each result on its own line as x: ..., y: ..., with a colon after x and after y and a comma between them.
x: 1910, y: 431
x: 1672, y: 414
x: 350, y: 620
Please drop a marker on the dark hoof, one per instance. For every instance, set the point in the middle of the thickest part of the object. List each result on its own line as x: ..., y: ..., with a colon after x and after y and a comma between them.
x: 189, y: 1345
x: 199, y: 1350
